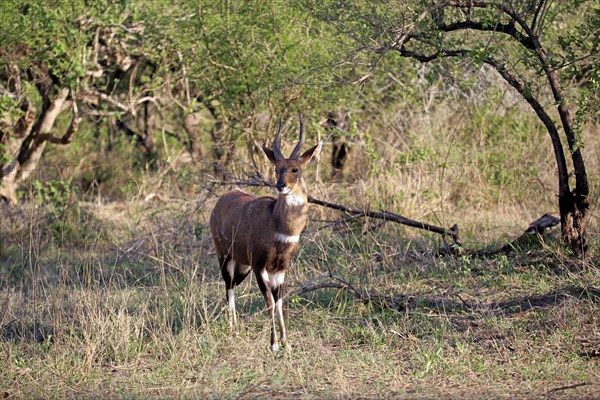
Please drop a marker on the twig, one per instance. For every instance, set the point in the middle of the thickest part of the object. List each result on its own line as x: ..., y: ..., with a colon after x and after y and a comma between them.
x: 363, y: 295
x: 332, y: 224
x: 576, y: 385
x: 390, y: 216
x: 327, y: 285
x: 250, y: 391
x: 337, y: 282
x: 340, y: 283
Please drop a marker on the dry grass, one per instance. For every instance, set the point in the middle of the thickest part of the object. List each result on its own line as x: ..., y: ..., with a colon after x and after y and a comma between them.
x: 124, y: 299
x: 138, y: 311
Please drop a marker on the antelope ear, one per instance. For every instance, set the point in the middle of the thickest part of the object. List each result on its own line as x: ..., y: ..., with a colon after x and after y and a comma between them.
x: 270, y: 154
x: 310, y: 156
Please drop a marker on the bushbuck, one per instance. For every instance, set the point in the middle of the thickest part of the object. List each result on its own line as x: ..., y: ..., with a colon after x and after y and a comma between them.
x: 261, y: 234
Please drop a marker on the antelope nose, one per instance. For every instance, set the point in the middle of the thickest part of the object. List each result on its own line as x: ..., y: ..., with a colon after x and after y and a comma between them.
x: 280, y: 186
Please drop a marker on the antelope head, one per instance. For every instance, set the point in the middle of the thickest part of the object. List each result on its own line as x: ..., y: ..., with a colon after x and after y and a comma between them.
x: 289, y: 170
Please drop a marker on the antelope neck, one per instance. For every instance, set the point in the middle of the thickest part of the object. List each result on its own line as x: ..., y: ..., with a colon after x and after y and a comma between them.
x: 293, y: 198
x: 291, y: 213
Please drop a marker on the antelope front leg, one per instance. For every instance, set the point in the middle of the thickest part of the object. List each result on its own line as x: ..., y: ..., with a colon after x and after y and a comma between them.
x: 274, y: 343
x: 229, y: 276
x: 262, y: 278
x: 232, y: 313
x: 278, y: 294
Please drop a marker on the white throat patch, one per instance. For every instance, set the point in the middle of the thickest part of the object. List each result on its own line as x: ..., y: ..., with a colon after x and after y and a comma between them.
x: 283, y: 238
x: 290, y: 198
x: 294, y: 200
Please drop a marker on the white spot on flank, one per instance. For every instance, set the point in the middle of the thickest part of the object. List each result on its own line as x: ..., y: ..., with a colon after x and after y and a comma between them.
x: 283, y: 238
x: 277, y: 279
x: 231, y: 268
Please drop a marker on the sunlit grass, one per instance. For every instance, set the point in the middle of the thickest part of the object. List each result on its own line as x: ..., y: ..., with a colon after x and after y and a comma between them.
x: 140, y: 313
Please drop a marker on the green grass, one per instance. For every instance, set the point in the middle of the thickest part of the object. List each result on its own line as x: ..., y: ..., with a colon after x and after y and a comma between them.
x: 140, y: 313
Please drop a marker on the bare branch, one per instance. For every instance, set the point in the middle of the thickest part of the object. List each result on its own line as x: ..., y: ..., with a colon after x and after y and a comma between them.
x: 541, y: 12
x: 331, y: 281
x: 94, y: 97
x: 98, y: 113
x: 68, y: 136
x: 401, y: 36
x: 338, y: 283
x: 565, y: 387
x: 390, y: 216
x: 508, y: 29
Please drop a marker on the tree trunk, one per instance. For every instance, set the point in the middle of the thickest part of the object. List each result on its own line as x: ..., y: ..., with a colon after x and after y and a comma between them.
x: 190, y: 124
x: 573, y: 210
x: 28, y: 141
x: 12, y: 142
x: 33, y: 147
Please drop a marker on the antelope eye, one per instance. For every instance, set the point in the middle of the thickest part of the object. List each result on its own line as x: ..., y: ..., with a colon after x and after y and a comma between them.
x: 294, y: 170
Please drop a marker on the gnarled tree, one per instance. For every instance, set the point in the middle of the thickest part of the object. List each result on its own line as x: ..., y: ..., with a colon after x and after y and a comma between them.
x: 55, y: 58
x: 508, y: 37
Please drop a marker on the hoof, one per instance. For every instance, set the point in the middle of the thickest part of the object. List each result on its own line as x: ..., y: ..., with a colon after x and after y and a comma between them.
x: 275, y: 348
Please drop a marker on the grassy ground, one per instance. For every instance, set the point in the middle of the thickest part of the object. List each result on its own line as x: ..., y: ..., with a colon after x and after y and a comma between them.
x: 123, y: 298
x: 129, y: 303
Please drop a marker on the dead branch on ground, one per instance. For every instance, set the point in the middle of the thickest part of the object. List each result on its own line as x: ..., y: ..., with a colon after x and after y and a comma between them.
x: 390, y: 216
x: 533, y: 234
x: 534, y: 231
x: 331, y: 281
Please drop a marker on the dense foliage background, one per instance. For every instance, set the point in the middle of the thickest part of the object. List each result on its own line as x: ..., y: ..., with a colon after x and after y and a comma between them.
x: 153, y: 84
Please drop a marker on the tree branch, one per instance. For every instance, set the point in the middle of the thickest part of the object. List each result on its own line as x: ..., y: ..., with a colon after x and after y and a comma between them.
x: 390, y: 216
x: 94, y: 97
x: 51, y: 108
x: 67, y: 137
x: 330, y: 280
x: 508, y: 29
x: 524, y: 91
